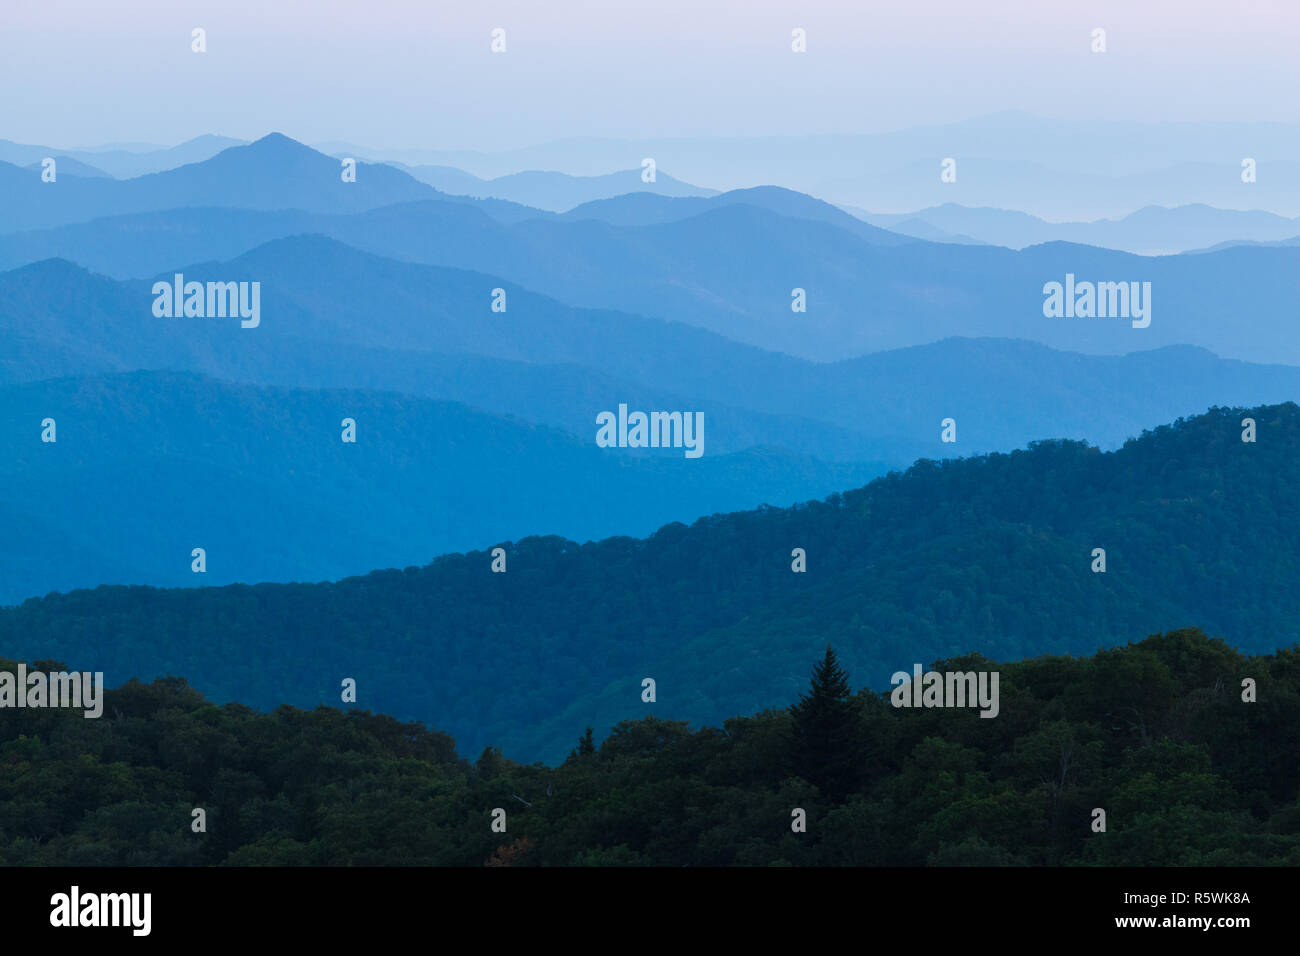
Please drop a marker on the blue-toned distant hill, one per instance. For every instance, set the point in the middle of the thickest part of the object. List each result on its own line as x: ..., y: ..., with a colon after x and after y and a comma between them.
x: 1293, y: 241
x: 732, y: 268
x: 907, y: 225
x: 645, y: 209
x: 338, y: 318
x: 992, y: 555
x: 552, y: 191
x: 1060, y: 169
x: 1150, y: 230
x: 125, y: 161
x: 445, y: 231
x: 67, y: 166
x: 149, y: 465
x: 1058, y: 194
x: 273, y: 173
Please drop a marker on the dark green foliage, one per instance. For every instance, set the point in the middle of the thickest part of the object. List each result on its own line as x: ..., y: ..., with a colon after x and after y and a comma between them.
x: 824, y: 728
x: 988, y: 554
x: 1156, y: 733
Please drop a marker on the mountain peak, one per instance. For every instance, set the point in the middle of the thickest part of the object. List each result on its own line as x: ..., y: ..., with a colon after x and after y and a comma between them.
x: 55, y: 268
x: 279, y: 144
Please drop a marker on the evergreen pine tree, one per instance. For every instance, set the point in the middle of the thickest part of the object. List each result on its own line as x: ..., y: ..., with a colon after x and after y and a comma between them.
x: 825, y: 751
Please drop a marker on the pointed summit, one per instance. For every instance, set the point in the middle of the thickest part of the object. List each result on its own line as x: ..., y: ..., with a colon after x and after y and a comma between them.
x: 275, y: 137
x: 279, y: 144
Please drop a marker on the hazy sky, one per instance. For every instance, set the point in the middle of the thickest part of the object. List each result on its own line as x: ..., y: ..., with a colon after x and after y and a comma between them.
x: 419, y: 73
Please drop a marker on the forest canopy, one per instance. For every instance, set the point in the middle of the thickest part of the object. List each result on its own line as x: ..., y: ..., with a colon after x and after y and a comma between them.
x: 1156, y: 733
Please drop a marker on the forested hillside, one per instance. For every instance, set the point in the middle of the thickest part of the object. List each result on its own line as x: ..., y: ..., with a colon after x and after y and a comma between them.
x: 149, y: 465
x: 1154, y: 733
x: 990, y: 554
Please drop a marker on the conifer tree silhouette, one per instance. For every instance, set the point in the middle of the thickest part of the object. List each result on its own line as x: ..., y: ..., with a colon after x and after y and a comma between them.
x: 824, y: 730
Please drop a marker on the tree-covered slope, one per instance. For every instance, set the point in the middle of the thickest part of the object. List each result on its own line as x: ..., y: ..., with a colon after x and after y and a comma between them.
x: 993, y: 554
x: 1154, y: 733
x: 148, y: 466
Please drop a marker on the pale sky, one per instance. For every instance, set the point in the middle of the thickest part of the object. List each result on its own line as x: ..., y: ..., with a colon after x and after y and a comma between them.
x: 418, y: 73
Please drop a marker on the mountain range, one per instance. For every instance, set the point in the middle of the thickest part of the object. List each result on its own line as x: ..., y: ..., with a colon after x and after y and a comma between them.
x: 1011, y: 160
x: 1060, y: 169
x: 123, y: 161
x: 472, y: 330
x: 334, y: 317
x: 551, y: 191
x: 1152, y: 230
x: 993, y: 554
x: 148, y: 466
x: 730, y: 263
